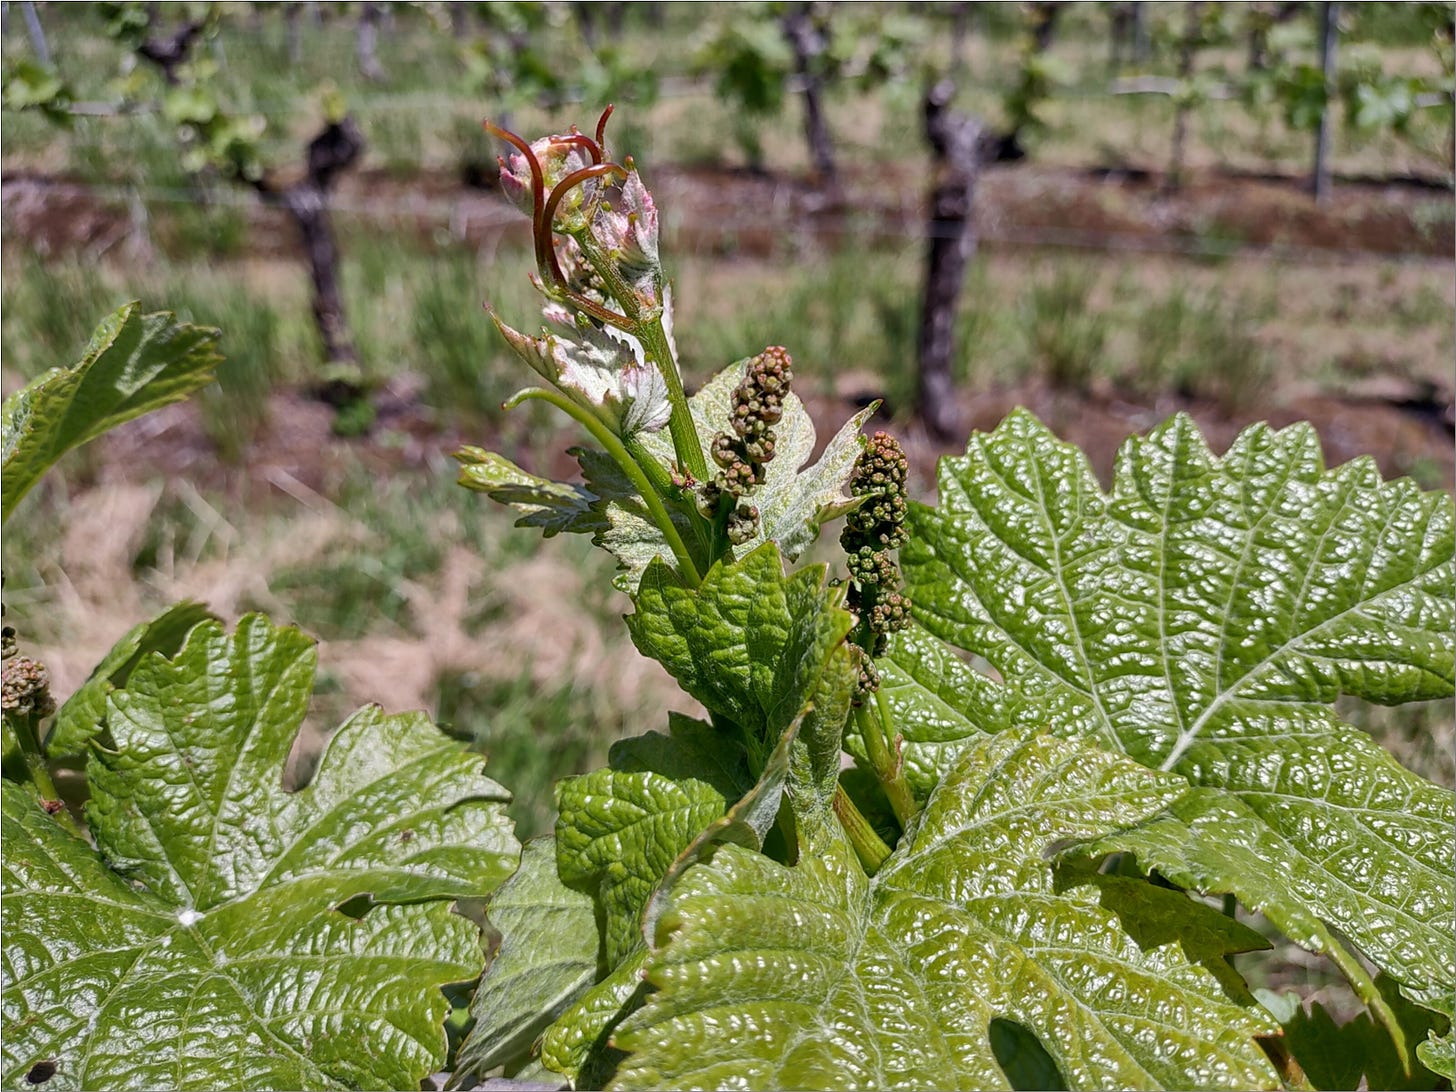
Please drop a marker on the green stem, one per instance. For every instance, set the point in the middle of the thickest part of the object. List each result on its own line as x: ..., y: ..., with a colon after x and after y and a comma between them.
x: 685, y: 442
x: 655, y: 471
x: 874, y: 726
x: 35, y: 763
x: 869, y: 847
x: 650, y: 331
x: 623, y: 458
x: 28, y: 743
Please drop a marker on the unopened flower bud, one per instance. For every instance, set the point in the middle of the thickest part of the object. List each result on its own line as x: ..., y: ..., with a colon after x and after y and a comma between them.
x: 26, y: 689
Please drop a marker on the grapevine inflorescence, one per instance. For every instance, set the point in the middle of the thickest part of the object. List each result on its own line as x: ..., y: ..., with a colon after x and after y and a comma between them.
x: 871, y: 531
x: 742, y: 455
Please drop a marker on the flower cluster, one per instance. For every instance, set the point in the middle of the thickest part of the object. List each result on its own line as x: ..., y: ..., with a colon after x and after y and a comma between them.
x: 743, y: 455
x: 26, y: 689
x: 871, y: 531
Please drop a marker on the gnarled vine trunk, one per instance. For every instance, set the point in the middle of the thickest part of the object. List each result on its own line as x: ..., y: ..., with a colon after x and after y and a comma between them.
x: 957, y: 148
x: 806, y: 32
x: 332, y: 152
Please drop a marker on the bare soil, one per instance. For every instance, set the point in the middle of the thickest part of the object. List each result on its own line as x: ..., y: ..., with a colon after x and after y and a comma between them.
x: 1405, y: 424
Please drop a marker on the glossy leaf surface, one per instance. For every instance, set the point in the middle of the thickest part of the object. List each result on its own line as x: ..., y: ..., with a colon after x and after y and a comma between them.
x: 751, y: 644
x: 84, y: 712
x: 546, y: 960
x: 1201, y: 618
x: 204, y: 943
x: 134, y: 363
x: 816, y: 976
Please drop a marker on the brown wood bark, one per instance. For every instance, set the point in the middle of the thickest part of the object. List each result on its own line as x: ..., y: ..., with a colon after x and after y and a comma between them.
x: 1187, y: 53
x: 959, y: 150
x: 336, y: 149
x: 806, y: 32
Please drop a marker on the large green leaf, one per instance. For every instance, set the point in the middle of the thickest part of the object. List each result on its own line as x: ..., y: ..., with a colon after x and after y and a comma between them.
x: 226, y: 932
x: 134, y: 363
x: 84, y: 713
x: 546, y: 960
x: 750, y: 643
x: 815, y: 976
x: 1201, y: 618
x: 941, y: 705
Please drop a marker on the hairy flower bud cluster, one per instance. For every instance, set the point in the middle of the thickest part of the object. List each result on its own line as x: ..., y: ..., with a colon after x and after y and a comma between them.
x: 871, y: 531
x: 26, y: 689
x: 742, y: 455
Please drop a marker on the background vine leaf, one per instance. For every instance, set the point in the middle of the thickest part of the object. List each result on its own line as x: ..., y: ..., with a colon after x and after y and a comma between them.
x: 133, y: 364
x: 1358, y: 1053
x: 204, y: 942
x: 817, y: 976
x: 1202, y: 617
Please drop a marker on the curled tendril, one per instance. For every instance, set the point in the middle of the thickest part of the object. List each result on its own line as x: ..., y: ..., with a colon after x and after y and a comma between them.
x: 544, y: 205
x: 538, y: 182
x: 581, y: 140
x: 565, y: 186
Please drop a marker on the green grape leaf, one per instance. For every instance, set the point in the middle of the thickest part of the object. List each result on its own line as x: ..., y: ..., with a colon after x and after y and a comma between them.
x: 1438, y: 1054
x: 552, y: 506
x: 134, y: 363
x: 1356, y: 1054
x: 546, y: 960
x: 746, y: 823
x: 84, y: 713
x: 627, y: 832
x: 1202, y: 617
x: 617, y: 835
x: 619, y: 829
x: 940, y: 705
x: 750, y: 643
x: 225, y: 932
x: 816, y: 976
x: 579, y: 1045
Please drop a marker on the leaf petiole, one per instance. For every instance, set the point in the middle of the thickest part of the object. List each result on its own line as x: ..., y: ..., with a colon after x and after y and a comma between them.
x: 875, y: 726
x: 869, y: 847
x: 623, y: 458
x: 21, y: 731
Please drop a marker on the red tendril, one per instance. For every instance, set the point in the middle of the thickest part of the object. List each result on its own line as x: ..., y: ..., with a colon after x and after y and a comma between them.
x: 602, y: 125
x: 570, y: 182
x: 582, y: 141
x: 538, y: 183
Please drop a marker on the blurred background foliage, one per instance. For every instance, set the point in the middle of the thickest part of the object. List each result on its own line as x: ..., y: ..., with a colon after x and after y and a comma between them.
x: 1122, y: 273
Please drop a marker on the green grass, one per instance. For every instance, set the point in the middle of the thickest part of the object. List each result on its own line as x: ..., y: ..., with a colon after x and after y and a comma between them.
x: 1066, y: 333
x: 532, y: 737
